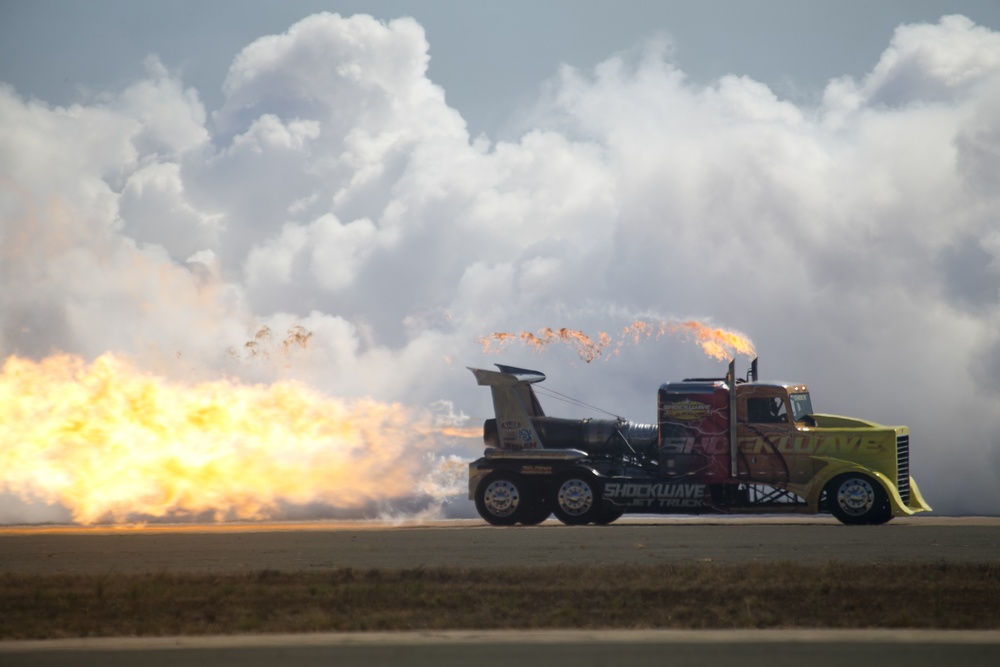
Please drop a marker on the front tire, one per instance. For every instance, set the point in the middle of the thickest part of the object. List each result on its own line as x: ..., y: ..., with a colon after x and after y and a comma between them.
x: 857, y: 499
x: 576, y: 500
x: 501, y: 499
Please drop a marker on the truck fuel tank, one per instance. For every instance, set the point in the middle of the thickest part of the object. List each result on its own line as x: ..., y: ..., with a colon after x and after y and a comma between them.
x: 597, y: 437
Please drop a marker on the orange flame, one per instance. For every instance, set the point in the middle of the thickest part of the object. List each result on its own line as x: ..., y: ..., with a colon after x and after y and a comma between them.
x: 585, y: 347
x: 717, y: 343
x: 111, y: 443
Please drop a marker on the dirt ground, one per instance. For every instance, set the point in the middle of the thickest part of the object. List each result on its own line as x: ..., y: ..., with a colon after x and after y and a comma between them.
x: 470, y: 544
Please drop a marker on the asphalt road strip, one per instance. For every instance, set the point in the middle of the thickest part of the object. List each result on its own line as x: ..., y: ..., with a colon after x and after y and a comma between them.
x: 376, y: 525
x: 575, y: 637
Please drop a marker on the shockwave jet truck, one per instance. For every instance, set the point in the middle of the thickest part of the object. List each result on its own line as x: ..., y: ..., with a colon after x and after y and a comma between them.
x: 720, y: 445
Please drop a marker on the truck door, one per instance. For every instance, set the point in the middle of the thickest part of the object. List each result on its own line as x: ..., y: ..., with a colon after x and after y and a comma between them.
x: 694, y: 431
x: 765, y: 433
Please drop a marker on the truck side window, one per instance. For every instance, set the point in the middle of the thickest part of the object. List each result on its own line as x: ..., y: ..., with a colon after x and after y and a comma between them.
x: 766, y: 410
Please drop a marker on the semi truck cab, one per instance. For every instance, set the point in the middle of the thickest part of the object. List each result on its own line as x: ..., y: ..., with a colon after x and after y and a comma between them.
x: 720, y: 444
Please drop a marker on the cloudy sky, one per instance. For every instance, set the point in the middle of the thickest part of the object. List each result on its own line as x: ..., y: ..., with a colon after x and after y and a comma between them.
x: 400, y: 179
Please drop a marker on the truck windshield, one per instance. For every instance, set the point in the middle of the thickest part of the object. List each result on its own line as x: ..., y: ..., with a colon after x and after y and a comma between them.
x: 801, y: 406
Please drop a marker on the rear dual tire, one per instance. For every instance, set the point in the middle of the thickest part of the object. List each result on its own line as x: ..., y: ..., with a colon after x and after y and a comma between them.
x: 501, y: 499
x: 609, y: 514
x: 576, y: 501
x: 505, y: 499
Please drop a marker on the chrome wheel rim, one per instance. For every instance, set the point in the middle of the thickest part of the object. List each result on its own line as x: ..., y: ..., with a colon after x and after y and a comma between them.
x: 501, y: 498
x: 575, y: 497
x: 856, y: 497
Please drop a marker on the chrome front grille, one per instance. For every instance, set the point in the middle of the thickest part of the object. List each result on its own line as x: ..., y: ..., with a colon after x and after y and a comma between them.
x: 903, y: 467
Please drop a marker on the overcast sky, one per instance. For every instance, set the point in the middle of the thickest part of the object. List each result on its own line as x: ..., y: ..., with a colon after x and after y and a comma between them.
x: 491, y: 58
x: 401, y: 178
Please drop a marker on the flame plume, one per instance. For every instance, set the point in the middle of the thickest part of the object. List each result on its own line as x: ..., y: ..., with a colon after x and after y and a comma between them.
x: 587, y: 348
x: 719, y: 344
x: 113, y: 444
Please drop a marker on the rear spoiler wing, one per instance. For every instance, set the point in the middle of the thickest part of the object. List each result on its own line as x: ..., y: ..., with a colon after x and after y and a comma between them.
x: 508, y: 375
x: 514, y: 404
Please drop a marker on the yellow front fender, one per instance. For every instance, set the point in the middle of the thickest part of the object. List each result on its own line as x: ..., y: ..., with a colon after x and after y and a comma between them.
x: 917, y: 502
x: 837, y: 467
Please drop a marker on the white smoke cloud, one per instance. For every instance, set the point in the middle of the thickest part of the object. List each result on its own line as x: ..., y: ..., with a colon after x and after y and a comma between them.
x: 857, y: 241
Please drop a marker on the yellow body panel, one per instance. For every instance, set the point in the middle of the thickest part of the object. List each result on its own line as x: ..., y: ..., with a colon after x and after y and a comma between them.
x: 804, y: 456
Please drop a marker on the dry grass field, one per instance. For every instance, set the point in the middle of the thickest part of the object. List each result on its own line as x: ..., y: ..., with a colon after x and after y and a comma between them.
x: 668, y: 595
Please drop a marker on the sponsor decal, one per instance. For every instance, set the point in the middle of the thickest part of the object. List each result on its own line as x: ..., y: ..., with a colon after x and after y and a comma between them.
x: 686, y: 411
x: 536, y: 470
x: 801, y: 445
x: 838, y: 445
x: 656, y: 494
x: 522, y: 439
x: 518, y: 438
x: 514, y: 435
x: 701, y: 445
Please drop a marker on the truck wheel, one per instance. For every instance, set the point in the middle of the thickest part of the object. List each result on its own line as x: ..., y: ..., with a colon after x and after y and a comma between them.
x: 609, y: 514
x: 535, y: 514
x: 500, y: 499
x: 857, y: 499
x: 576, y: 500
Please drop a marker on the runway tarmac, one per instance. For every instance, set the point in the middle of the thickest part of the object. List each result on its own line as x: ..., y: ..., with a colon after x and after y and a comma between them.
x: 470, y: 543
x: 711, y: 648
